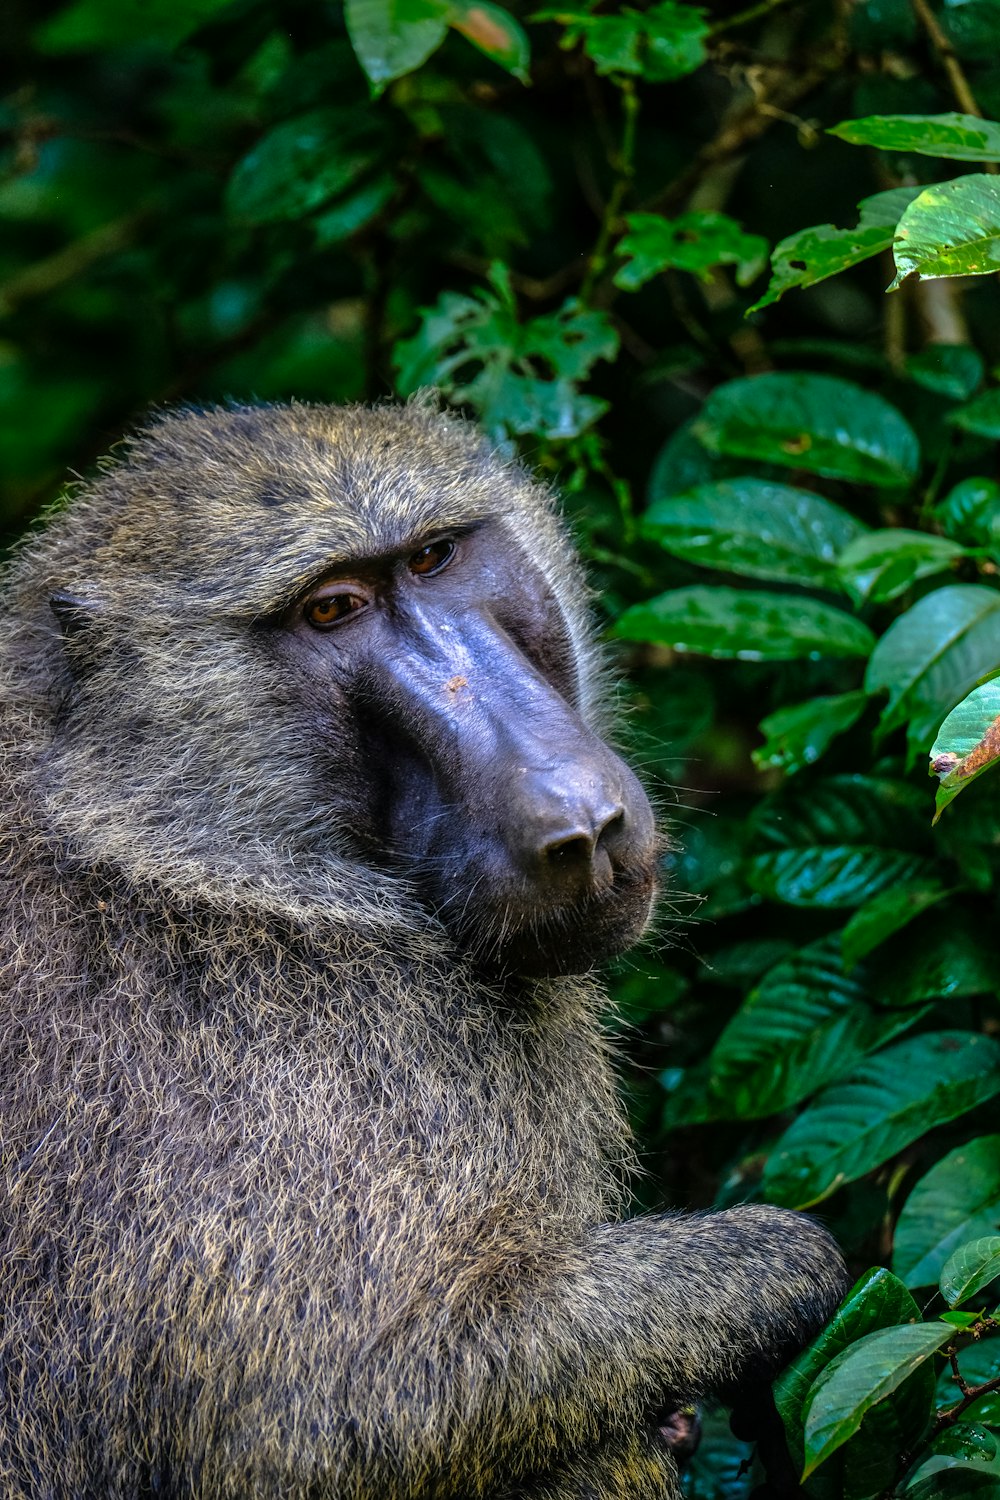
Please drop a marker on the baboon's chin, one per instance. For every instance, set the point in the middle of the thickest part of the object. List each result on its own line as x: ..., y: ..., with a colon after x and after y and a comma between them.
x: 571, y: 941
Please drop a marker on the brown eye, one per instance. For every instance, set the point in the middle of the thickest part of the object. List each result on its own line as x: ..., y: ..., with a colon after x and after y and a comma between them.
x: 432, y: 558
x: 329, y: 609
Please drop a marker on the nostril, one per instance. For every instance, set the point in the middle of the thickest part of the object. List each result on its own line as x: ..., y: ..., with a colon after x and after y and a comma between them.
x: 568, y: 849
x: 610, y: 831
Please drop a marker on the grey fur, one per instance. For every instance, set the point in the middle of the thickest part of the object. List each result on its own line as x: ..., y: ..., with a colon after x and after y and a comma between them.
x: 295, y: 1203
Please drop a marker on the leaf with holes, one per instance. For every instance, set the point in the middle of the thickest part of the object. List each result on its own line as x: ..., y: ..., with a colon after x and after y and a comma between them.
x: 811, y: 255
x: 696, y: 242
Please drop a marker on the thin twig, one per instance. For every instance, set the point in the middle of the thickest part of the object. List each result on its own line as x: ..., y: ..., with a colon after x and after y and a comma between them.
x: 762, y: 8
x: 960, y: 87
x: 624, y: 165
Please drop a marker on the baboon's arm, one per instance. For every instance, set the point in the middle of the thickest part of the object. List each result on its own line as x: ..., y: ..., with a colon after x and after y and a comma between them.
x: 589, y: 1339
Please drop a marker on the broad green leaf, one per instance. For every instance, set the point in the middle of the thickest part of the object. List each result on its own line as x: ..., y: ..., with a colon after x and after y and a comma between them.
x: 971, y: 512
x: 696, y: 242
x: 811, y: 255
x: 957, y: 137
x: 962, y: 1483
x: 877, y: 1300
x: 880, y: 565
x: 960, y: 1454
x: 812, y: 422
x: 982, y: 415
x: 662, y: 43
x: 303, y: 163
x: 494, y: 31
x: 392, y: 37
x: 756, y: 528
x: 967, y: 743
x: 891, y: 1100
x: 953, y: 370
x: 932, y: 656
x: 352, y: 212
x: 861, y: 1377
x: 956, y: 1201
x: 796, y: 736
x: 946, y: 954
x: 90, y: 25
x: 969, y: 1269
x: 839, y: 842
x: 952, y: 229
x: 886, y: 913
x: 806, y: 1024
x: 748, y: 625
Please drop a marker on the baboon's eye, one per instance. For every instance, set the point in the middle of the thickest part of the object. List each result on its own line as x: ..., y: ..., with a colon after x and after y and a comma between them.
x: 324, y: 610
x: 432, y: 558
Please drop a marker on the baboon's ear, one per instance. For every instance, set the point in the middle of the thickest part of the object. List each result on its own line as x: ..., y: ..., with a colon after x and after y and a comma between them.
x: 74, y: 611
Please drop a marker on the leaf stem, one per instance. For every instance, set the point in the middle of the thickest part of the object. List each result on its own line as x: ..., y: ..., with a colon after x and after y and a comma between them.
x: 624, y: 166
x: 960, y: 87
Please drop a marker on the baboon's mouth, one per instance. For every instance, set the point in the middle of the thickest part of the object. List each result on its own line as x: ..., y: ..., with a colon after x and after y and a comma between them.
x: 540, y: 941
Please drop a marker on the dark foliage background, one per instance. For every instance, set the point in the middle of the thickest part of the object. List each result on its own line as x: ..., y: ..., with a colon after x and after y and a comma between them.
x: 560, y: 218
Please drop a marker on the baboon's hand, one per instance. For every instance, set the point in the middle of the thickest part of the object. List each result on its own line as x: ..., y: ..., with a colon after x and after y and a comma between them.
x: 755, y: 1419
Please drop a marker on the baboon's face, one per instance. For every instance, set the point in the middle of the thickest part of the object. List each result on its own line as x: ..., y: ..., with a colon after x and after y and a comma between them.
x: 526, y: 835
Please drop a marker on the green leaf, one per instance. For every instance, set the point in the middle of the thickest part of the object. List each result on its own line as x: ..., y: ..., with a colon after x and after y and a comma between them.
x: 952, y: 229
x: 665, y: 42
x: 883, y: 564
x: 877, y: 1300
x: 518, y: 377
x: 932, y: 656
x: 392, y: 37
x: 494, y: 31
x: 886, y: 913
x: 967, y: 743
x: 748, y: 625
x: 805, y: 1025
x: 95, y: 24
x: 953, y: 370
x: 947, y: 954
x: 813, y: 422
x: 756, y: 528
x: 796, y: 736
x: 981, y: 416
x: 957, y: 137
x: 971, y: 512
x: 838, y: 843
x: 811, y: 255
x: 696, y: 242
x: 303, y: 163
x: 891, y: 1100
x: 970, y: 1269
x: 956, y: 1201
x: 860, y: 1378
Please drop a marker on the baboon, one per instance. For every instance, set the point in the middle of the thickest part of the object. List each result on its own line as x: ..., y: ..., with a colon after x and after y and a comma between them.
x: 313, y: 1160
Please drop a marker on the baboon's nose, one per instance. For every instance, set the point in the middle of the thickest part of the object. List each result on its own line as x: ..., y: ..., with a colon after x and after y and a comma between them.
x: 573, y: 830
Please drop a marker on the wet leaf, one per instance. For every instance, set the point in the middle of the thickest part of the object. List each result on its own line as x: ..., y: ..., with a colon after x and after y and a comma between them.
x: 886, y: 913
x: 750, y: 526
x: 392, y: 37
x: 883, y: 564
x: 812, y: 422
x: 970, y: 1269
x: 796, y: 736
x: 303, y: 163
x: 747, y: 625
